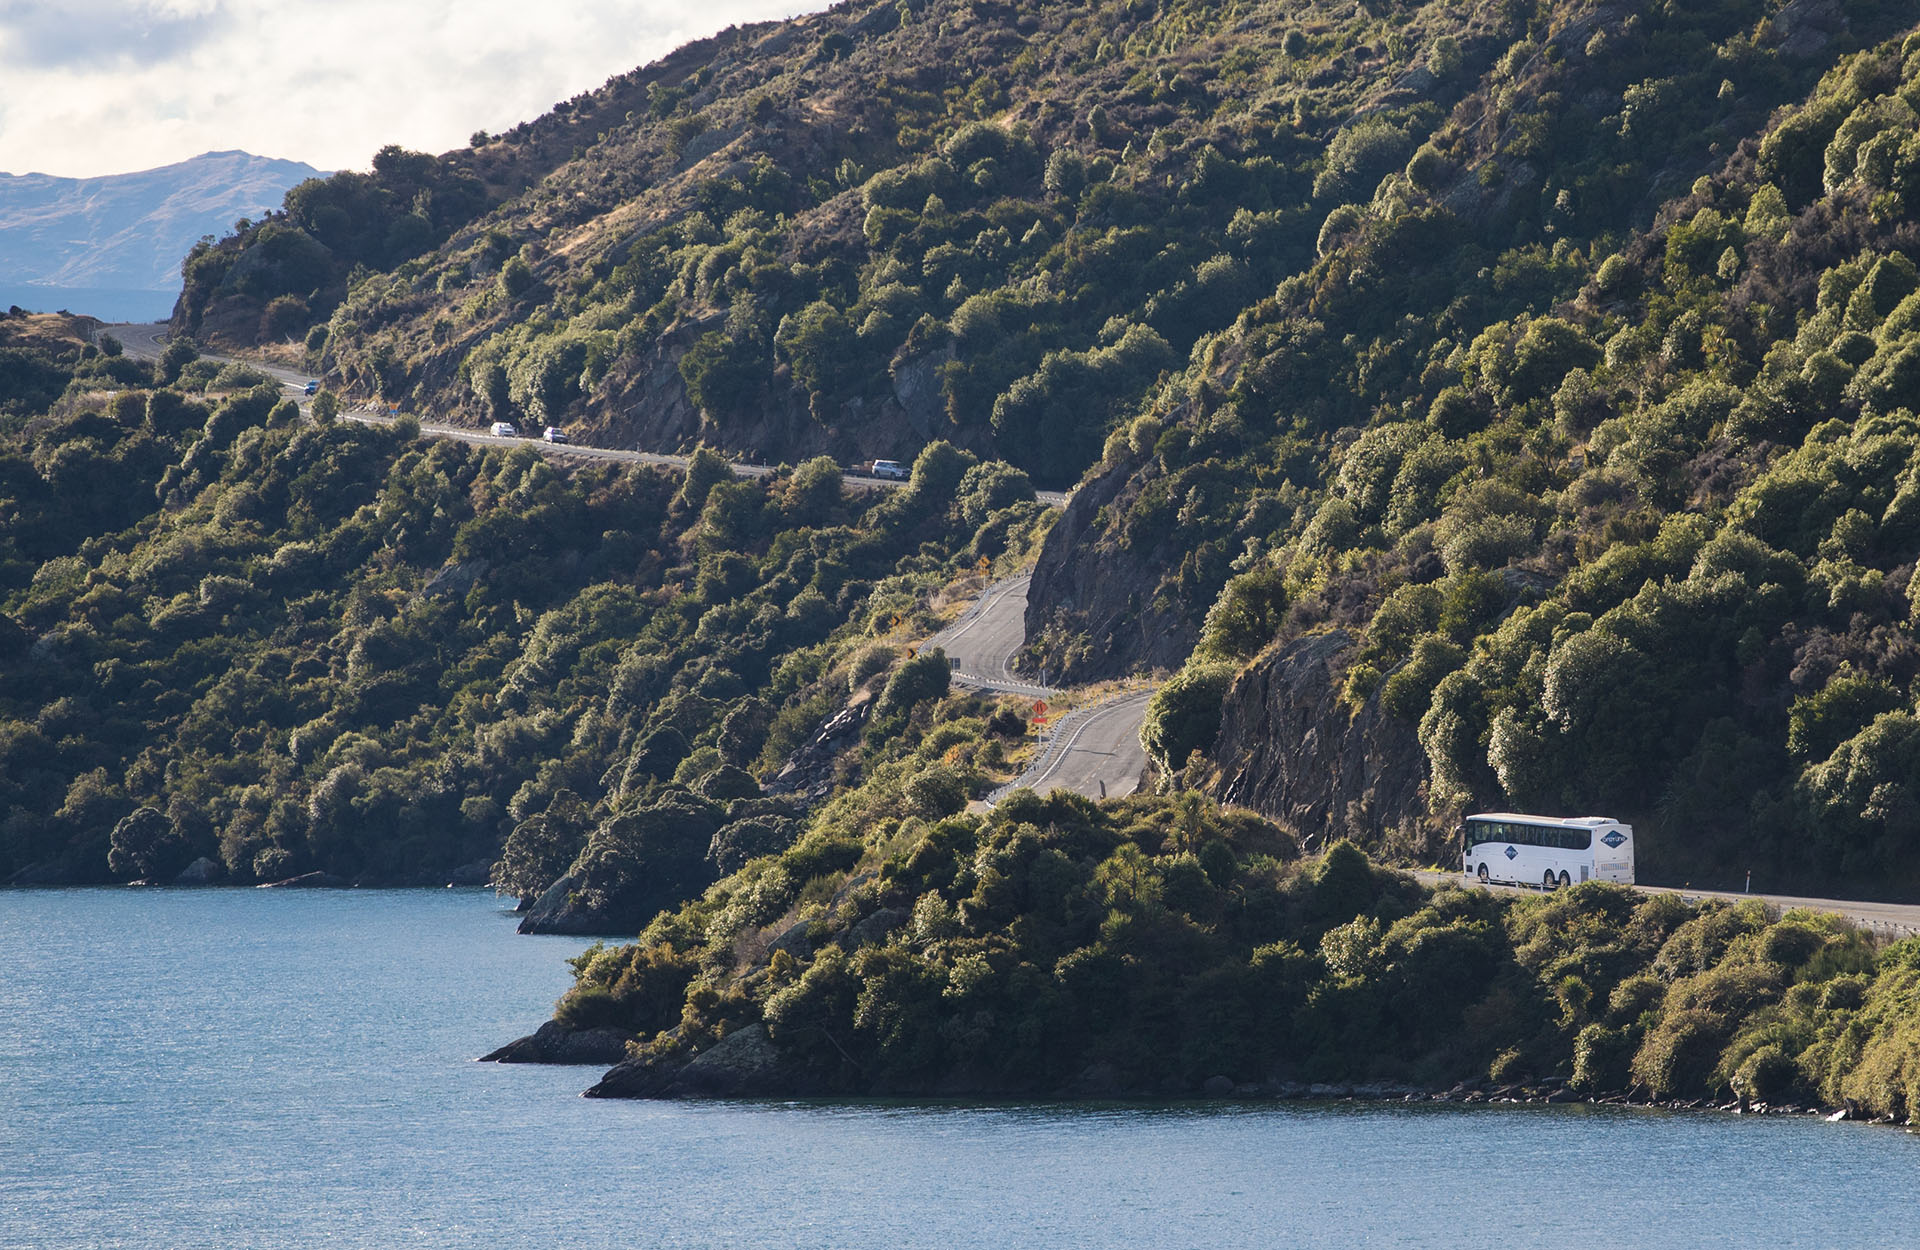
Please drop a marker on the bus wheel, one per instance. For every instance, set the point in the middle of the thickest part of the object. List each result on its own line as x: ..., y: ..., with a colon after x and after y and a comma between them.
x: 1565, y: 880
x: 1483, y: 874
x: 1547, y: 882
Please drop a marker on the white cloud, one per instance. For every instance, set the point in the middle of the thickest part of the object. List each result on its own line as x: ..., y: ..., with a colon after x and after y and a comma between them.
x: 108, y: 86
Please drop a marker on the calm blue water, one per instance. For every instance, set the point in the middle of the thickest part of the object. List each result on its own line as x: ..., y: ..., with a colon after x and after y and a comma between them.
x: 276, y: 1069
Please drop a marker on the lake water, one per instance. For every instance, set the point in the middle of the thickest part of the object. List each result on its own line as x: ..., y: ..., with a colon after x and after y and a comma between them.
x: 248, y: 1068
x: 106, y: 303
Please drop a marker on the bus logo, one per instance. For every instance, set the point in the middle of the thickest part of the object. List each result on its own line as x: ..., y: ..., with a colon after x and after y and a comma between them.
x: 1613, y: 837
x: 1511, y: 852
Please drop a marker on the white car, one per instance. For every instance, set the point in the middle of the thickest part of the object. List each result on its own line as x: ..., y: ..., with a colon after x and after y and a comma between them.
x: 890, y: 469
x: 504, y: 429
x: 555, y: 434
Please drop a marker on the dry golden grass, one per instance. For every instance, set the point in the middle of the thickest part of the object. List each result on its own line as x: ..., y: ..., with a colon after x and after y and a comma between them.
x: 52, y: 332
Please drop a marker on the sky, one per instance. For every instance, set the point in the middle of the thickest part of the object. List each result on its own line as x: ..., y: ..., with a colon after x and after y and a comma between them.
x: 92, y: 87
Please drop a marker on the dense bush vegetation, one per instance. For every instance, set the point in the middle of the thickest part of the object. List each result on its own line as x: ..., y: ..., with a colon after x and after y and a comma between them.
x: 274, y: 278
x: 1154, y: 943
x: 289, y: 648
x: 890, y: 223
x: 1618, y: 510
x: 1566, y: 355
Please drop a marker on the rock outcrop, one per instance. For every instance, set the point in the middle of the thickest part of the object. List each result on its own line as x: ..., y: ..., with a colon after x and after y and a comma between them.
x: 743, y: 1064
x: 1291, y: 749
x: 469, y: 875
x: 554, y: 1043
x: 808, y: 773
x: 202, y: 871
x: 563, y: 908
x: 1094, y: 608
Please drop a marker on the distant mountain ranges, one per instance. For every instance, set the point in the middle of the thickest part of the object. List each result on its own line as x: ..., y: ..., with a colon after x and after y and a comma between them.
x: 112, y: 246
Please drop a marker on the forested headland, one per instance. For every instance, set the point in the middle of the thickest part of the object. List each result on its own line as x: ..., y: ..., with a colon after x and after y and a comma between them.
x: 1467, y: 407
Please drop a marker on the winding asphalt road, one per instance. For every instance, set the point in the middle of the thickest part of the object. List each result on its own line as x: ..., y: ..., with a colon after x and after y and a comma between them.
x: 1094, y: 750
x: 149, y: 340
x: 982, y: 643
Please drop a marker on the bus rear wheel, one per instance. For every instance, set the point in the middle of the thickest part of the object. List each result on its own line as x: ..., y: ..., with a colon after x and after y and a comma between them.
x: 1483, y: 874
x: 1565, y: 880
x: 1548, y: 882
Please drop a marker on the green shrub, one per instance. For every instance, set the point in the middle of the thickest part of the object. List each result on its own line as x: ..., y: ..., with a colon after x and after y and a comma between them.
x: 1184, y: 715
x: 926, y: 676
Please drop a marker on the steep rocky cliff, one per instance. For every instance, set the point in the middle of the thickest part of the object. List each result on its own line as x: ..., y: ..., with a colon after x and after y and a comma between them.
x: 1096, y: 607
x: 1291, y: 749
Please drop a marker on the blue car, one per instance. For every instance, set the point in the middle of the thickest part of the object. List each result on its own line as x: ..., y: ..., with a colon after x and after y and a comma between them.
x: 311, y: 388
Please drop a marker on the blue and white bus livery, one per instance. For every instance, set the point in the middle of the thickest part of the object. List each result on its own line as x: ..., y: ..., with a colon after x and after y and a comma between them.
x: 1545, y: 850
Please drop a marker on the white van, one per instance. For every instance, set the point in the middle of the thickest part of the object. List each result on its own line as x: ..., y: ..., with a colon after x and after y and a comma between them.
x: 890, y: 468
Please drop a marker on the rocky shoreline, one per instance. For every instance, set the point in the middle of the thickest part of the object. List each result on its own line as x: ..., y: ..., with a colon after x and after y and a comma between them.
x: 747, y: 1064
x: 208, y: 873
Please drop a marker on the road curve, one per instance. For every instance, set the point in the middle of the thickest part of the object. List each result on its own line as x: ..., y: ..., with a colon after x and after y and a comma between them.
x: 1093, y: 751
x: 1891, y: 920
x: 148, y: 341
x: 982, y: 643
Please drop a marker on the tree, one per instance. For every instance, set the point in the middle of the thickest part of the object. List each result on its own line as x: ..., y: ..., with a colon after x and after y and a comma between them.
x: 724, y: 371
x: 706, y: 469
x: 516, y: 279
x: 181, y: 351
x: 926, y: 676
x: 536, y: 854
x: 1184, y: 715
x: 144, y: 844
x: 814, y: 492
x: 939, y: 469
x: 819, y: 341
x: 1248, y: 613
x: 988, y: 487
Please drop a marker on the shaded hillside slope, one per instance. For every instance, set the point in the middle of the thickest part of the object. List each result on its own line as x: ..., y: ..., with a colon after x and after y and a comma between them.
x: 285, y: 646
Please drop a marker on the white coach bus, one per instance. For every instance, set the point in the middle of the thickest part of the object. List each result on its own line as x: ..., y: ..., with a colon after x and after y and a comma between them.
x: 1545, y: 851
